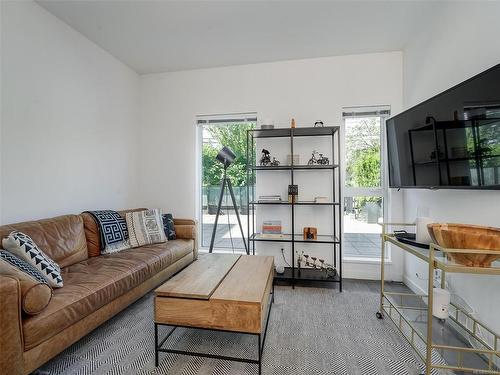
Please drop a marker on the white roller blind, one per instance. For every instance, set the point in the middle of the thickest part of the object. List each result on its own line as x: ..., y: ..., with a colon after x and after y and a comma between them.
x: 366, y: 111
x: 226, y: 119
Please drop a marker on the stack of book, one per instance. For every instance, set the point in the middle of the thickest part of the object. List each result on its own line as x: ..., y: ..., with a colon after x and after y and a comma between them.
x: 269, y: 198
x: 272, y: 229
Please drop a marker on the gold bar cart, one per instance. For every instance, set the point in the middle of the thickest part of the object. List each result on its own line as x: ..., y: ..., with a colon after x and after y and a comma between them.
x: 392, y: 305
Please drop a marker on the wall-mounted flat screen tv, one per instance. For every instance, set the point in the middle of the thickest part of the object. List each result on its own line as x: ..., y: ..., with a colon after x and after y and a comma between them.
x: 451, y: 140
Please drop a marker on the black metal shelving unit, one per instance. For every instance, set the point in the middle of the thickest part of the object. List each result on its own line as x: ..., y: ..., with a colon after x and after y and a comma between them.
x: 294, y: 275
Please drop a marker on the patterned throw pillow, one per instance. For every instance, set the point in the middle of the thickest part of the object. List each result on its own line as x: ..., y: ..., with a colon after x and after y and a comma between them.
x: 25, y: 248
x: 145, y: 227
x: 168, y: 226
x: 112, y: 231
x: 35, y: 290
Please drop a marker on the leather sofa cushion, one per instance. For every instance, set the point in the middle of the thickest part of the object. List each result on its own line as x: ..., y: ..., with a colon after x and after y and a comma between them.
x: 92, y: 231
x: 62, y: 238
x: 96, y: 281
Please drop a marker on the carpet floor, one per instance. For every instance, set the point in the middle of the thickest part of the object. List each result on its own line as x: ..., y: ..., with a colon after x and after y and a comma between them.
x: 313, y: 331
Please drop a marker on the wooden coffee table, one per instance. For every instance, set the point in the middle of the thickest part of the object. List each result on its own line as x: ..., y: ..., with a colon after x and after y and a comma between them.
x: 222, y: 292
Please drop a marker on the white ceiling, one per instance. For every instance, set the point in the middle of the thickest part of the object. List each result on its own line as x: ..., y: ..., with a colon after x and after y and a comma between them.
x: 160, y: 36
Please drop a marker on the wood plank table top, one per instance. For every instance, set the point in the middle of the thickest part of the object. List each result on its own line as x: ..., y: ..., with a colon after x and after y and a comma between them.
x: 247, y: 280
x: 200, y: 279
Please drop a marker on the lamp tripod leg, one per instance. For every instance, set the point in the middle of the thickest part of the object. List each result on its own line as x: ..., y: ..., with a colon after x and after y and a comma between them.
x: 230, y: 187
x: 222, y: 186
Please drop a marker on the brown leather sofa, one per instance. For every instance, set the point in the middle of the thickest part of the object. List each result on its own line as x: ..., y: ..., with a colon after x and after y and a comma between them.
x: 95, y: 288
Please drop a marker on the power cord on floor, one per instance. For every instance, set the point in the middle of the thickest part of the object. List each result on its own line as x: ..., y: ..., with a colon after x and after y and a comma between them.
x: 284, y: 259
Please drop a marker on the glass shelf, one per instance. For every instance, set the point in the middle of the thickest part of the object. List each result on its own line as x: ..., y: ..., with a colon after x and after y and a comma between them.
x: 296, y: 203
x: 295, y: 167
x: 296, y: 238
x: 450, y: 337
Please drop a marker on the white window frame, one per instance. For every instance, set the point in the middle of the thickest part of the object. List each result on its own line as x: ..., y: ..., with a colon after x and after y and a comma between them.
x: 199, y: 168
x: 383, y: 191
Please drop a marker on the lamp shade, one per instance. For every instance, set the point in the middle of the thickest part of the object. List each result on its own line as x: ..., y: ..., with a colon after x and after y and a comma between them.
x: 226, y: 156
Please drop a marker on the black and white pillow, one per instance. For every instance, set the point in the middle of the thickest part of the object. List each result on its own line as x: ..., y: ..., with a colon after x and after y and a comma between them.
x: 113, y: 231
x: 24, y: 247
x: 22, y: 266
x: 36, y: 292
x: 168, y: 226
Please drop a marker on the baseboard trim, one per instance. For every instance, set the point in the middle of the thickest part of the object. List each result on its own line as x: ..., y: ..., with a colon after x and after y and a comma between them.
x: 415, y: 288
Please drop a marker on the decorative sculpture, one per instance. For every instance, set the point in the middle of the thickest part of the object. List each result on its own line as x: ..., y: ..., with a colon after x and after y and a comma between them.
x: 318, y: 124
x: 320, y: 159
x: 265, y: 159
x: 329, y: 269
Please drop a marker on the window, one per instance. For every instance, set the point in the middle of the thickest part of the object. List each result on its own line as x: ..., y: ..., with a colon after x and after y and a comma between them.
x: 216, y: 132
x: 365, y: 192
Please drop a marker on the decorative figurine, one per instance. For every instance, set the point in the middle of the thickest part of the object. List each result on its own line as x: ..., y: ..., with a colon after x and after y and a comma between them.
x: 322, y: 263
x: 318, y: 124
x: 292, y: 125
x: 265, y: 159
x: 320, y: 160
x: 329, y: 269
x: 323, y: 160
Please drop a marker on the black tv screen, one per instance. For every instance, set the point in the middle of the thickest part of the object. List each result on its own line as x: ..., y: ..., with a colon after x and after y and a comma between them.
x: 451, y: 140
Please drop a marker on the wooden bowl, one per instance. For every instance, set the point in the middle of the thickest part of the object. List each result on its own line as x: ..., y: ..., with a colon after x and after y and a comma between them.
x: 464, y: 236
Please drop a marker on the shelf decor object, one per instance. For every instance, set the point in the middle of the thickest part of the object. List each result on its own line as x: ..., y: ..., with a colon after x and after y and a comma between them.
x: 414, y: 317
x: 331, y: 255
x: 310, y: 233
x: 293, y: 193
x: 465, y: 236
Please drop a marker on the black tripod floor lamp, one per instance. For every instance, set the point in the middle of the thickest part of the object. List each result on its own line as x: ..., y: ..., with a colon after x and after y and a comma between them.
x: 226, y: 157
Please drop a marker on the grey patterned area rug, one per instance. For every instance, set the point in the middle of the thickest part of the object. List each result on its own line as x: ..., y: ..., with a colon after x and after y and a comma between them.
x: 311, y: 331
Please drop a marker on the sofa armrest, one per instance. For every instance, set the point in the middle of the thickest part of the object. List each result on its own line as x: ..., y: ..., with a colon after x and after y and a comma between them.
x: 185, y: 222
x: 187, y: 229
x: 11, y: 338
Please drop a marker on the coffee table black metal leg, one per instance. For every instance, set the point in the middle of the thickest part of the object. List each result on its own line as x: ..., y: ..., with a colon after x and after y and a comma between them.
x: 260, y: 354
x: 156, y: 345
x: 261, y: 337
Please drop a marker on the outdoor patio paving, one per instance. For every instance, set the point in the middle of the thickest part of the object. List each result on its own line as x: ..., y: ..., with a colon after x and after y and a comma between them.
x: 365, y: 245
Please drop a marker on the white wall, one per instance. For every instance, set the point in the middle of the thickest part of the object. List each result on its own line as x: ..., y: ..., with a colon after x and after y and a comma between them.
x: 462, y: 43
x: 69, y: 119
x: 304, y: 89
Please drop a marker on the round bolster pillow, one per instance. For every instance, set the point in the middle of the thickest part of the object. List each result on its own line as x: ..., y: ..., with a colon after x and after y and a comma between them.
x: 35, y: 290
